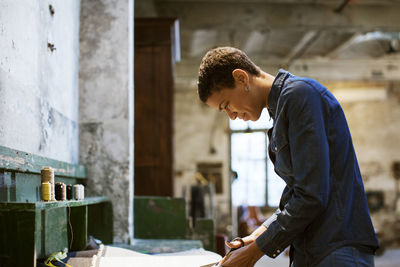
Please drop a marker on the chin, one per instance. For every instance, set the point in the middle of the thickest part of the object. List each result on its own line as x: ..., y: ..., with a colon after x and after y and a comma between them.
x: 248, y: 118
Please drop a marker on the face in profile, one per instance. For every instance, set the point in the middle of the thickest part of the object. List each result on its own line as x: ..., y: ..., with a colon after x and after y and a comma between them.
x: 237, y: 102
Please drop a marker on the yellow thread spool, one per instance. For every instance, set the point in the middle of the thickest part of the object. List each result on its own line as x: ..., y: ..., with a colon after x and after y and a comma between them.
x: 47, y: 174
x: 46, y: 191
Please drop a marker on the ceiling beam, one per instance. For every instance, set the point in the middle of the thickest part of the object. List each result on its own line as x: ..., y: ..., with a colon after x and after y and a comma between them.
x: 343, y: 46
x: 320, y: 2
x: 305, y: 42
x: 381, y: 69
x: 260, y: 16
x: 323, y: 69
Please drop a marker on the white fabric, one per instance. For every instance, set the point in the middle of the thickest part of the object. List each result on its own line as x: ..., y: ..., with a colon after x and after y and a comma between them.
x: 114, y: 256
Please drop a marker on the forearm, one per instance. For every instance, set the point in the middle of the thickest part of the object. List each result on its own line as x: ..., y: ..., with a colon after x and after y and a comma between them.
x: 250, y: 238
x: 256, y: 233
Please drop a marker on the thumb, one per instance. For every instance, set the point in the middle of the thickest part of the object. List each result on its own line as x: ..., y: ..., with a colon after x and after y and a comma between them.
x: 235, y: 243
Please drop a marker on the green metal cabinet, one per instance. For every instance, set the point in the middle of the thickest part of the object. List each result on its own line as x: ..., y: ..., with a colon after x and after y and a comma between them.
x: 166, y: 218
x: 31, y: 229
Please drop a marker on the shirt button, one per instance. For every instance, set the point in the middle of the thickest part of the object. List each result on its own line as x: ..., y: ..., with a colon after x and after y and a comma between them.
x: 278, y: 251
x: 274, y: 255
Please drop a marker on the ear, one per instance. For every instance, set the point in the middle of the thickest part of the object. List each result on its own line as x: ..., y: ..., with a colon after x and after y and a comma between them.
x: 241, y: 77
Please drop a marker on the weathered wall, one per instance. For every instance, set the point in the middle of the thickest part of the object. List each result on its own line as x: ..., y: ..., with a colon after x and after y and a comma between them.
x: 106, y: 105
x: 39, y: 85
x: 197, y: 129
x: 373, y: 114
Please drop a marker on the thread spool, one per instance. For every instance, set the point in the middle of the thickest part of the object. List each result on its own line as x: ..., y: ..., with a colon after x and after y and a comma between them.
x: 47, y: 175
x: 64, y: 192
x: 69, y: 192
x: 76, y: 189
x: 83, y: 192
x: 60, y: 191
x: 46, y: 191
x: 79, y: 192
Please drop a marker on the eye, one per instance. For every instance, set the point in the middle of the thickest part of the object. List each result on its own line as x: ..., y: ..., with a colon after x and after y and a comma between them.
x: 227, y: 107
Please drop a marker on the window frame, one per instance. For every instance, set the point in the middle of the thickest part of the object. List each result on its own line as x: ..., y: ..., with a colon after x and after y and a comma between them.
x: 249, y: 130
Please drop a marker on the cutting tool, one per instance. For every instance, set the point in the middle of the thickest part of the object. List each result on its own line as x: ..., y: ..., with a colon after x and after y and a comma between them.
x: 230, y: 250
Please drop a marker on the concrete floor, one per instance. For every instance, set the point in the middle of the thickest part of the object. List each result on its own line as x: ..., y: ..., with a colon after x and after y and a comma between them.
x: 391, y: 258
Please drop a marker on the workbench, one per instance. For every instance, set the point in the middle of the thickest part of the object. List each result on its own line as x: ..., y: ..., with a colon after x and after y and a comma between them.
x: 32, y: 229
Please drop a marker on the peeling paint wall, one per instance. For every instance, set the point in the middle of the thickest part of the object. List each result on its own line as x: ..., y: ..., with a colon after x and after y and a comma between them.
x: 39, y: 77
x: 106, y: 105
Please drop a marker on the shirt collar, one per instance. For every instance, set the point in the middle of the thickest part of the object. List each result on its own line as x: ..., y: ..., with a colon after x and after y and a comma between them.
x: 275, y: 91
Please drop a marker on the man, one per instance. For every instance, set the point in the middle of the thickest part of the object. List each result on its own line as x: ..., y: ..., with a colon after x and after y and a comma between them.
x: 323, y: 213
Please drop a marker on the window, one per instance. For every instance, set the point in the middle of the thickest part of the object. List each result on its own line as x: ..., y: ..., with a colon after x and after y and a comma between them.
x: 257, y: 184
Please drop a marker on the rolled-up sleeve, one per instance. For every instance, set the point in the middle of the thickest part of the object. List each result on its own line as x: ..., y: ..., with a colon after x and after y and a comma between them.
x: 306, y: 114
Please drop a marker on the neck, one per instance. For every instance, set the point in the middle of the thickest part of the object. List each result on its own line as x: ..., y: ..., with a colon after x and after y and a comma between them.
x: 264, y: 83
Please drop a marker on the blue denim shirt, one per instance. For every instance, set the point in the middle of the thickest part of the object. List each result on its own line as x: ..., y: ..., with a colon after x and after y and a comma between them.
x: 323, y: 206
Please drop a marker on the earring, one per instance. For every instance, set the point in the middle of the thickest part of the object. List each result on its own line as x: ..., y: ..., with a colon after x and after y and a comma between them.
x: 248, y: 88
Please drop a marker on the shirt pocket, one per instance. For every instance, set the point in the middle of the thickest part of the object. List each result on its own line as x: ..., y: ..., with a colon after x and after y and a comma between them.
x: 280, y: 147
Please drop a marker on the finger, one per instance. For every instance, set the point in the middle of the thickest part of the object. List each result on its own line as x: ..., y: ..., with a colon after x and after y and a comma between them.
x: 223, y: 260
x: 237, y: 243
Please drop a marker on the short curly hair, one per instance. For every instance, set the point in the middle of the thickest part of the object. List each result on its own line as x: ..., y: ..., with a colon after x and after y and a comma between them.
x: 216, y: 69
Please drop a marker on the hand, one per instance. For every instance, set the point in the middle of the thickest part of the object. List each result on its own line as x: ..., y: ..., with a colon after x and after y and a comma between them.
x: 239, y: 242
x: 249, y: 244
x: 248, y: 239
x: 246, y: 256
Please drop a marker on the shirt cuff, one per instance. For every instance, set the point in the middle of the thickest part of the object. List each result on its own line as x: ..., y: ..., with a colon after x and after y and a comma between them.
x: 269, y: 248
x: 263, y: 241
x: 272, y: 218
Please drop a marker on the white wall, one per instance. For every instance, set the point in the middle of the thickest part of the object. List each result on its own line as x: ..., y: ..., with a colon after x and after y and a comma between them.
x: 39, y: 87
x: 40, y: 100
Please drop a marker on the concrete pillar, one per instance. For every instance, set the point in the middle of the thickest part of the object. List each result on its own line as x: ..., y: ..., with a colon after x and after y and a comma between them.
x: 106, y: 105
